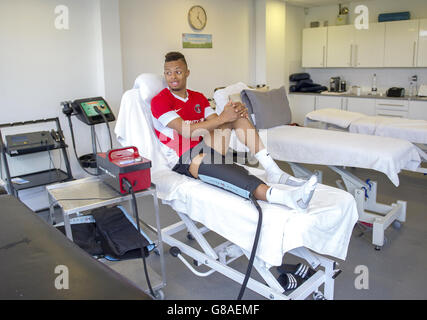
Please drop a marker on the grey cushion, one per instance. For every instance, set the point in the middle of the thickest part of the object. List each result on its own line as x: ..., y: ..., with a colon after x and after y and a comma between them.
x: 271, y: 108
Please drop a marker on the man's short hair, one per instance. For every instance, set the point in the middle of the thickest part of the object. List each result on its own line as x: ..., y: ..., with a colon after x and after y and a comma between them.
x: 174, y: 56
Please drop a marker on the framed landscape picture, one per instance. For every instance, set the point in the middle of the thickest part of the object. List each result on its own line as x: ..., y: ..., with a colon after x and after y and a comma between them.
x: 196, y: 40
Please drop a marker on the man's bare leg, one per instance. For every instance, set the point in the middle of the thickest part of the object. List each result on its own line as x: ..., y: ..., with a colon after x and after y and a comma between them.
x: 219, y: 140
x: 247, y: 134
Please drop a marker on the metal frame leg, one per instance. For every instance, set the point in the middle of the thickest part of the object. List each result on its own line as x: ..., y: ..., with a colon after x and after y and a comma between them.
x: 216, y: 260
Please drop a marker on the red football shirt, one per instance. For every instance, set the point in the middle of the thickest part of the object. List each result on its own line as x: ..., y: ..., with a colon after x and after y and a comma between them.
x: 165, y: 107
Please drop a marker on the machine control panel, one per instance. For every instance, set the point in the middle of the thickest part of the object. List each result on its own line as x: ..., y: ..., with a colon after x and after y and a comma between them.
x: 31, y: 142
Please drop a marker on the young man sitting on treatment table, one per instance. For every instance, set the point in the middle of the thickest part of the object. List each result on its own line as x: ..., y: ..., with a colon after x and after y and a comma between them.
x: 195, y: 141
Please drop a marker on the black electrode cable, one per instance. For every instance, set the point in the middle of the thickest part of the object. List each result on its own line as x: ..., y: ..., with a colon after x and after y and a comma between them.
x: 74, y: 146
x: 127, y: 184
x: 254, y: 248
x: 106, y: 122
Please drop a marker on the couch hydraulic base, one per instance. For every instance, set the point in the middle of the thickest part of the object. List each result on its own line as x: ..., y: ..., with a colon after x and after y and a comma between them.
x: 218, y: 259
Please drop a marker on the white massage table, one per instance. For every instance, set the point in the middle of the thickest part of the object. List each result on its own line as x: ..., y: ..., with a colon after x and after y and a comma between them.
x: 337, y: 150
x: 324, y: 230
x: 414, y: 131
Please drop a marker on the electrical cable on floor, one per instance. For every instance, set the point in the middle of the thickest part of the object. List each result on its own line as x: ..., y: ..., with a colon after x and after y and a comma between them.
x: 127, y: 184
x: 254, y: 248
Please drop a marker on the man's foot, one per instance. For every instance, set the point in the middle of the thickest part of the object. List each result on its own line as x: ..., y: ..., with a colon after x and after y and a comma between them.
x: 293, y: 197
x: 281, y: 177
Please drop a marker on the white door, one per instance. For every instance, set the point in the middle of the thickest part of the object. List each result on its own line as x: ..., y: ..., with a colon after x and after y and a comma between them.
x: 418, y: 110
x: 340, y: 46
x: 401, y: 39
x: 323, y: 102
x: 314, y: 47
x: 300, y: 104
x: 422, y: 44
x: 369, y: 46
x: 362, y: 105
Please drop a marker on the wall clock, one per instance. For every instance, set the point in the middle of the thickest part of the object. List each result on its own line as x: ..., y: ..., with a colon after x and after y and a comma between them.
x: 197, y: 17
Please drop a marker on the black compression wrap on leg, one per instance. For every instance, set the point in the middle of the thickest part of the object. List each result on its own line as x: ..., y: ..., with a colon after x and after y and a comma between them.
x: 231, y: 177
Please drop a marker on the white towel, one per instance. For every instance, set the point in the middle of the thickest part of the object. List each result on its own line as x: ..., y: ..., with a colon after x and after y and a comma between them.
x: 339, y: 118
x: 134, y: 128
x: 221, y: 96
x: 414, y: 131
x: 326, y: 228
x: 337, y: 148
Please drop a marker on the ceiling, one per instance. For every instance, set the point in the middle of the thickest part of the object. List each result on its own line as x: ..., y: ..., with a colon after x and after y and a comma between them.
x: 314, y: 3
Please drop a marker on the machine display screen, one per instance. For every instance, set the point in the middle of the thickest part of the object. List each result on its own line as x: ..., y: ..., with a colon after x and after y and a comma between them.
x: 88, y: 107
x: 19, y: 139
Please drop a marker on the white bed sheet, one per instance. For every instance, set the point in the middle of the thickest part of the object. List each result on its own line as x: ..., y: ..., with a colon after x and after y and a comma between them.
x: 412, y: 130
x: 337, y: 148
x: 326, y: 228
x: 334, y: 116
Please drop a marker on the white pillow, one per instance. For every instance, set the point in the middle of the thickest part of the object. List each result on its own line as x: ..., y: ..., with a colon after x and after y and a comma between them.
x: 149, y: 85
x: 221, y: 96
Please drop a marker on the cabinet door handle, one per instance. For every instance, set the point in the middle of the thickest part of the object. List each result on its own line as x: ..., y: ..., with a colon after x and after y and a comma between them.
x: 389, y: 115
x: 356, y: 56
x: 391, y: 104
x: 323, y: 57
x: 351, y: 56
x: 413, y: 53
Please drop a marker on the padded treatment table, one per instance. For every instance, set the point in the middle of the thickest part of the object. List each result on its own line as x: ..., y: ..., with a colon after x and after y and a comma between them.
x: 334, y: 149
x: 31, y: 250
x: 324, y: 230
x: 411, y: 130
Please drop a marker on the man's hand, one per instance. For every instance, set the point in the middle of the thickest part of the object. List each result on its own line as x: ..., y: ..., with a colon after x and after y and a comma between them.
x: 234, y: 111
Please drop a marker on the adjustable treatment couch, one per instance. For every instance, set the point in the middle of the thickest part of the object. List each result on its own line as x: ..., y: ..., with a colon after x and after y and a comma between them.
x: 324, y: 230
x: 413, y: 131
x: 270, y: 113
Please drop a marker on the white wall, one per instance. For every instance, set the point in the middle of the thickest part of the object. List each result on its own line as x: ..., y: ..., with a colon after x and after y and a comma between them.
x: 386, y: 77
x: 42, y: 66
x: 110, y: 42
x: 260, y: 42
x: 275, y: 42
x: 293, y: 42
x: 278, y: 41
x: 150, y: 29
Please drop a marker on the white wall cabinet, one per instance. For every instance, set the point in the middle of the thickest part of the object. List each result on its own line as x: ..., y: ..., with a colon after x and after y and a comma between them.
x: 368, y: 47
x: 392, y: 108
x: 340, y: 46
x: 387, y: 44
x: 401, y: 38
x: 350, y: 47
x: 422, y: 44
x: 418, y: 110
x: 323, y: 102
x: 362, y: 105
x: 314, y: 41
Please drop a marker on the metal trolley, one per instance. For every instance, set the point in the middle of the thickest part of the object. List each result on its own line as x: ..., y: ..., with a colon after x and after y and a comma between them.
x: 76, y: 197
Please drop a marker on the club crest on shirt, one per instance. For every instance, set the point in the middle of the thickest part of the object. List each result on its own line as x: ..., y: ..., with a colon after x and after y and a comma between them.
x: 197, y: 108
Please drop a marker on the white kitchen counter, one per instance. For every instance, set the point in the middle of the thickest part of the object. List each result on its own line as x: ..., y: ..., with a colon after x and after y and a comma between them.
x: 350, y: 95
